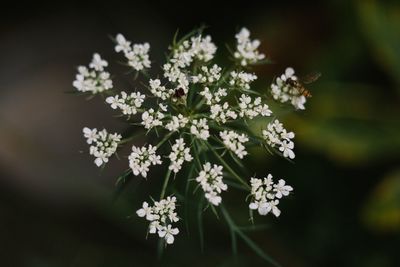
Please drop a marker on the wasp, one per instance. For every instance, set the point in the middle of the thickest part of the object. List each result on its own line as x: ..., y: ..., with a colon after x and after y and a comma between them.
x: 299, y: 83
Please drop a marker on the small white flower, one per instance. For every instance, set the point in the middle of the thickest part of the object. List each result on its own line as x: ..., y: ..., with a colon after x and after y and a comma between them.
x: 234, y: 142
x: 210, y: 179
x: 276, y: 135
x: 98, y: 63
x: 203, y: 48
x: 176, y: 123
x: 90, y: 134
x: 207, y: 75
x: 137, y: 55
x: 200, y: 128
x: 160, y: 91
x: 142, y: 158
x: 128, y: 104
x: 241, y: 80
x: 222, y: 113
x: 122, y: 44
x: 161, y: 216
x: 265, y: 195
x: 95, y: 79
x: 287, y: 149
x: 179, y: 154
x: 251, y: 109
x: 281, y: 189
x: 246, y: 49
x: 146, y: 211
x: 168, y: 233
x: 151, y: 118
x: 213, y: 97
x: 103, y: 144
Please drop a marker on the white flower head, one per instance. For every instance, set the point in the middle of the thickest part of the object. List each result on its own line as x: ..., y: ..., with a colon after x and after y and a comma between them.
x: 152, y: 118
x: 241, y: 80
x: 251, y: 108
x: 246, y: 49
x: 222, y: 113
x: 277, y: 136
x: 176, y: 123
x: 203, y: 48
x: 137, y: 55
x: 142, y: 158
x: 210, y: 179
x: 160, y: 91
x: 93, y: 79
x: 128, y: 104
x: 265, y: 195
x: 103, y: 144
x: 235, y: 142
x: 179, y: 154
x: 208, y: 75
x: 200, y: 129
x: 161, y: 217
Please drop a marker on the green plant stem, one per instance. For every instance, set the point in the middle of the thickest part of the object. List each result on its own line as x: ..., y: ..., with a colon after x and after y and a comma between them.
x: 235, y: 230
x: 164, y: 140
x: 227, y: 167
x: 164, y: 188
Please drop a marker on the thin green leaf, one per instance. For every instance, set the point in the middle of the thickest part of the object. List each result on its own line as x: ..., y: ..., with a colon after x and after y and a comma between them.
x: 256, y: 248
x: 200, y: 222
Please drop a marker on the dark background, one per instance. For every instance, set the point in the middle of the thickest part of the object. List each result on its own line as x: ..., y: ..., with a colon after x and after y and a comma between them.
x: 56, y: 207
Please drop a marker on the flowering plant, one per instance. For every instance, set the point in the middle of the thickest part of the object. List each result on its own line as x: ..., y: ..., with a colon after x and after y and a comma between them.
x: 195, y: 117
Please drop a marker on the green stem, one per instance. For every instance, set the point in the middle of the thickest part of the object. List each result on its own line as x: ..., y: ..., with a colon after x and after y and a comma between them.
x: 164, y: 188
x: 227, y: 167
x: 235, y: 230
x: 164, y: 140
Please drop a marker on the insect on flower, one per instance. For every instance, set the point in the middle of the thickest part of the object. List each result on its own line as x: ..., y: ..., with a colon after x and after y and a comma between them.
x: 298, y: 84
x: 179, y: 93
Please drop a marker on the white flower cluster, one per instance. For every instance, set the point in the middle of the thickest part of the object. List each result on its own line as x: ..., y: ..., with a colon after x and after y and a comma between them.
x: 176, y: 123
x: 246, y: 49
x: 142, y: 158
x: 221, y: 113
x: 200, y: 129
x: 152, y: 118
x: 234, y: 142
x: 276, y: 135
x: 207, y: 75
x: 179, y: 154
x: 242, y: 79
x: 93, y: 79
x: 284, y: 91
x: 161, y: 216
x: 128, y: 104
x: 136, y: 54
x: 103, y: 144
x: 213, y: 97
x: 251, y: 109
x: 210, y: 179
x: 266, y: 195
x: 160, y: 91
x: 183, y: 55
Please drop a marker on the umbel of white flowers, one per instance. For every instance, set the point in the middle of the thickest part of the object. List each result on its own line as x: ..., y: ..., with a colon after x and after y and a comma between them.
x: 223, y: 96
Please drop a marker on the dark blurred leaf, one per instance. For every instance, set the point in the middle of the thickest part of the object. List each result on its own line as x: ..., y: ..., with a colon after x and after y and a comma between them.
x: 382, y: 211
x: 381, y: 24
